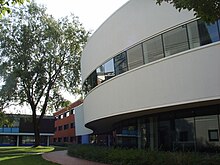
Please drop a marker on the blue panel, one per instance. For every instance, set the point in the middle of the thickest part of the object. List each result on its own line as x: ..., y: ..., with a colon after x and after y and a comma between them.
x: 15, y: 130
x: 85, y: 139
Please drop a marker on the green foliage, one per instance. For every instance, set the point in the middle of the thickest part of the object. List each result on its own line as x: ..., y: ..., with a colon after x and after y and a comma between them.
x: 5, y: 119
x: 119, y: 156
x: 208, y: 10
x: 39, y: 57
x: 5, y: 5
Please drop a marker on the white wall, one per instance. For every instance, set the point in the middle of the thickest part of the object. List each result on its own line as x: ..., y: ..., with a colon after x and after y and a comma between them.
x: 187, y: 77
x: 133, y: 22
x: 79, y: 122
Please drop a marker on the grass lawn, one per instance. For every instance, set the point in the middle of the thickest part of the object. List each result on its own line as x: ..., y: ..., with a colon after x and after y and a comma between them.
x: 25, y: 155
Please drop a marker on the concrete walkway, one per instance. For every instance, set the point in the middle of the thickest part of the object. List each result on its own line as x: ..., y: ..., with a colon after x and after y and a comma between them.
x: 62, y: 158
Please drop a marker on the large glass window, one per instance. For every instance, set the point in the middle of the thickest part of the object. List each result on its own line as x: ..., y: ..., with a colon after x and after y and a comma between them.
x: 105, y: 71
x: 135, y: 57
x: 193, y: 34
x: 207, y: 132
x: 121, y: 64
x: 208, y: 33
x: 185, y: 135
x: 7, y: 140
x: 175, y: 41
x: 153, y: 49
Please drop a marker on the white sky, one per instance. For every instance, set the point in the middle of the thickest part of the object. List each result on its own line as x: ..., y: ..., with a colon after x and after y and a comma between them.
x: 91, y: 13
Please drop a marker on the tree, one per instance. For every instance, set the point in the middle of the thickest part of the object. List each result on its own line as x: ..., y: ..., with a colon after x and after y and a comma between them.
x: 39, y: 56
x: 5, y: 5
x: 208, y: 10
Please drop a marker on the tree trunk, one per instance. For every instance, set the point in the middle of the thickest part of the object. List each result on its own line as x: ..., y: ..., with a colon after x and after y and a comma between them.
x: 36, y: 130
x: 37, y: 137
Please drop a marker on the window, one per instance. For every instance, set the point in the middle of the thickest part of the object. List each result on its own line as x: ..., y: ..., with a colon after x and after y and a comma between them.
x: 105, y: 71
x: 208, y: 33
x: 213, y: 135
x: 55, y: 129
x: 72, y: 111
x: 66, y: 126
x: 64, y: 115
x: 193, y: 34
x: 72, y: 125
x: 153, y: 49
x: 91, y: 81
x: 67, y: 114
x: 175, y: 41
x: 185, y: 131
x: 60, y: 128
x: 59, y: 139
x: 206, y: 129
x: 135, y: 57
x: 72, y: 139
x: 54, y: 139
x: 120, y: 62
x: 66, y: 139
x: 219, y: 27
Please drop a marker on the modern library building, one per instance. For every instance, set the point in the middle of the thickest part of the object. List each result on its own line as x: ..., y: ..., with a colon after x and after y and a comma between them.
x: 151, y: 79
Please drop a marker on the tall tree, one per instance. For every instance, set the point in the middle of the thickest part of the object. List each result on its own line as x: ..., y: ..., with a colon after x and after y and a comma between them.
x: 208, y: 10
x: 39, y: 56
x: 5, y: 5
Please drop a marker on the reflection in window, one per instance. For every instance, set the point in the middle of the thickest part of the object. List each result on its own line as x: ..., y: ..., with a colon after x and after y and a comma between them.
x: 203, y: 126
x: 185, y: 135
x: 153, y: 49
x: 90, y: 82
x: 120, y: 62
x: 105, y: 71
x: 208, y: 32
x: 135, y: 57
x: 193, y: 34
x: 175, y: 41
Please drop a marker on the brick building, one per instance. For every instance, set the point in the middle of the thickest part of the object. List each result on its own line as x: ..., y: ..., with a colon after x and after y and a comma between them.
x: 65, y: 124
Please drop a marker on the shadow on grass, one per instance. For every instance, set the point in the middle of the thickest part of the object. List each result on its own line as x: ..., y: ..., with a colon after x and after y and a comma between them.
x: 24, y: 159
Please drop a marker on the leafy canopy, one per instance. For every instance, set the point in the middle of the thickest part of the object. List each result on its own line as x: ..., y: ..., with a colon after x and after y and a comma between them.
x: 5, y: 5
x: 39, y: 56
x: 208, y: 10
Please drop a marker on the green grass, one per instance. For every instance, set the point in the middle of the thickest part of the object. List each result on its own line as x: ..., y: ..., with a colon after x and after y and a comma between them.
x: 25, y: 155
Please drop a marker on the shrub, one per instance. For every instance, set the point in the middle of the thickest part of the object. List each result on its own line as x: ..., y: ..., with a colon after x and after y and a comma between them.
x: 122, y: 156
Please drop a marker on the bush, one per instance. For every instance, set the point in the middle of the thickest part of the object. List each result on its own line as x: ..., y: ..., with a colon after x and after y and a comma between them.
x: 119, y: 156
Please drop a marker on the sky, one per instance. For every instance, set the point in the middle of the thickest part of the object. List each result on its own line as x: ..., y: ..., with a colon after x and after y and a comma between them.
x: 91, y: 13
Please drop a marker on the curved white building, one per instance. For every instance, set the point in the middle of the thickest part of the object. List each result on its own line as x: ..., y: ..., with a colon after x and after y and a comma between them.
x: 151, y: 75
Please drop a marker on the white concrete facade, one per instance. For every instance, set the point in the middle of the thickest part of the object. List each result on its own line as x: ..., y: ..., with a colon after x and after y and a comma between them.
x: 186, y: 78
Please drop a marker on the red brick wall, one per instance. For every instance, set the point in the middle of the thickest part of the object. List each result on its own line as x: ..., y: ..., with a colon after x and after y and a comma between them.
x: 70, y: 132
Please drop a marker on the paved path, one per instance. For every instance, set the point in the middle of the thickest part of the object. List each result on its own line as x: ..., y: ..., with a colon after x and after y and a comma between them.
x: 62, y: 158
